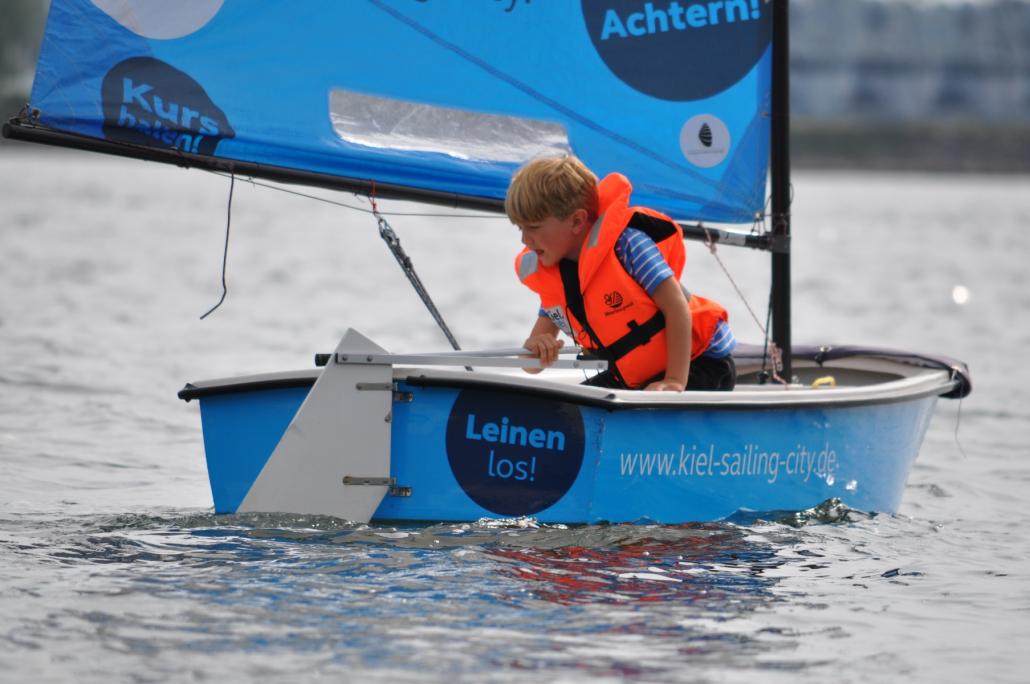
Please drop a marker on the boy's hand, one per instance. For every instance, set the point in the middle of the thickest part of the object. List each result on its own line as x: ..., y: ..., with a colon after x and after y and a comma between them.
x: 544, y: 347
x: 666, y: 385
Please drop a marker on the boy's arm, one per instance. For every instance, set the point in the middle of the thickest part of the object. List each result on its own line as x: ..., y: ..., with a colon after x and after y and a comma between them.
x: 543, y: 343
x: 673, y: 303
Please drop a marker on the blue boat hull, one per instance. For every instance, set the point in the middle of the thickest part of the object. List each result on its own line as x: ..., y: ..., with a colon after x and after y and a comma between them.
x: 463, y: 452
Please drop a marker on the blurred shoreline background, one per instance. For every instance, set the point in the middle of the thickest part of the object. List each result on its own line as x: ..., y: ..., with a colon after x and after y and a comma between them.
x: 921, y: 85
x: 900, y: 85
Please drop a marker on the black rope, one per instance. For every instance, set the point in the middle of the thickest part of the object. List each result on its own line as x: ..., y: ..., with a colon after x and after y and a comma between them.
x: 958, y: 421
x: 225, y: 254
x: 430, y: 214
x: 763, y: 376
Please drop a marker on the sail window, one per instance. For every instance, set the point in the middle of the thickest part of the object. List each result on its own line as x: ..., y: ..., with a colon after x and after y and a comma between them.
x: 384, y: 122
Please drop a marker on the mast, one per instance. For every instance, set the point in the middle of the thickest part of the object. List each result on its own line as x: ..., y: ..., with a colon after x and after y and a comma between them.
x: 779, y: 171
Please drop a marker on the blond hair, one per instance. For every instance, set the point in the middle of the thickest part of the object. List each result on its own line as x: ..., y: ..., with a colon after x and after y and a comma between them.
x: 553, y: 186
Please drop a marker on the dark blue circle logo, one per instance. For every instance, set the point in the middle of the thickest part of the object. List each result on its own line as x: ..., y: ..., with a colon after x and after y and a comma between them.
x: 514, y: 455
x: 679, y: 50
x: 149, y: 102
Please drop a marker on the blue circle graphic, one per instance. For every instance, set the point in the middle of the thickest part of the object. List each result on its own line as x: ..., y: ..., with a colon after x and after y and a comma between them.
x: 150, y: 102
x: 514, y: 455
x: 679, y: 50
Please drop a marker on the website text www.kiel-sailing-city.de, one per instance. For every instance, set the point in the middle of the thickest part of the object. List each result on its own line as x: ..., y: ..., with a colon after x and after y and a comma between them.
x: 801, y: 462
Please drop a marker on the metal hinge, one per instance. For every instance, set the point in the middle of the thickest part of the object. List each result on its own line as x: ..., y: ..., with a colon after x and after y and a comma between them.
x: 375, y: 386
x: 390, y: 482
x: 398, y: 396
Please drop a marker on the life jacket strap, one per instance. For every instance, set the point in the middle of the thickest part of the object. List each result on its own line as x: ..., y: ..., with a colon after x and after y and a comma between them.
x: 639, y: 334
x: 569, y: 271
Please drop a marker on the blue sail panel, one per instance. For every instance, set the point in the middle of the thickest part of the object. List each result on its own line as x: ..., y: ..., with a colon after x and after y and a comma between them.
x: 430, y: 94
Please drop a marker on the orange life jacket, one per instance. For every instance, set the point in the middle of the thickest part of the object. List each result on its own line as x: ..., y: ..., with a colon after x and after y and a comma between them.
x: 598, y: 303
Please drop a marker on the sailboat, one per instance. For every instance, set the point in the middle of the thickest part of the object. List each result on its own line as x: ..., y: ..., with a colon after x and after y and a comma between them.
x: 440, y: 102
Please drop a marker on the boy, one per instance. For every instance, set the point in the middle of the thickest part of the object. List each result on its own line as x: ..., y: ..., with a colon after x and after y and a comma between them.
x: 608, y: 276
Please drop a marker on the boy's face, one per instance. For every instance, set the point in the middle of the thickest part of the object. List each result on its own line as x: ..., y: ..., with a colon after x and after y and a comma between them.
x: 554, y: 239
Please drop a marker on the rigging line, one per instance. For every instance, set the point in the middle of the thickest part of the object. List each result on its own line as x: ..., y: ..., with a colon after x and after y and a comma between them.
x: 769, y: 346
x: 766, y: 214
x: 770, y: 349
x: 394, y: 244
x: 709, y: 203
x: 225, y: 253
x: 759, y: 228
x: 269, y: 186
x: 760, y: 217
x: 711, y: 248
x: 765, y: 340
x: 958, y: 421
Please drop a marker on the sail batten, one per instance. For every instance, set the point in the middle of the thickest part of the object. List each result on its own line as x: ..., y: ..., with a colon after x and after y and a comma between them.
x: 428, y: 98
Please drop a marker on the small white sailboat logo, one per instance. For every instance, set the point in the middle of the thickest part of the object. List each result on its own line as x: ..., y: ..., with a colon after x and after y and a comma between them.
x: 705, y: 140
x: 705, y: 135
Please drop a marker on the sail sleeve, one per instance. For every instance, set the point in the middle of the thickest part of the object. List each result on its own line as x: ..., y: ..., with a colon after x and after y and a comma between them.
x: 429, y: 94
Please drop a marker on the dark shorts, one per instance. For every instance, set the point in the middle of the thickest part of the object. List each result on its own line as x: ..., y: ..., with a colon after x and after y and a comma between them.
x: 706, y: 373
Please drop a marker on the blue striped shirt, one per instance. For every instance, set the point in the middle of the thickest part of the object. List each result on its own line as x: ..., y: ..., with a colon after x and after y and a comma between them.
x: 723, y: 342
x: 641, y: 258
x: 639, y: 255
